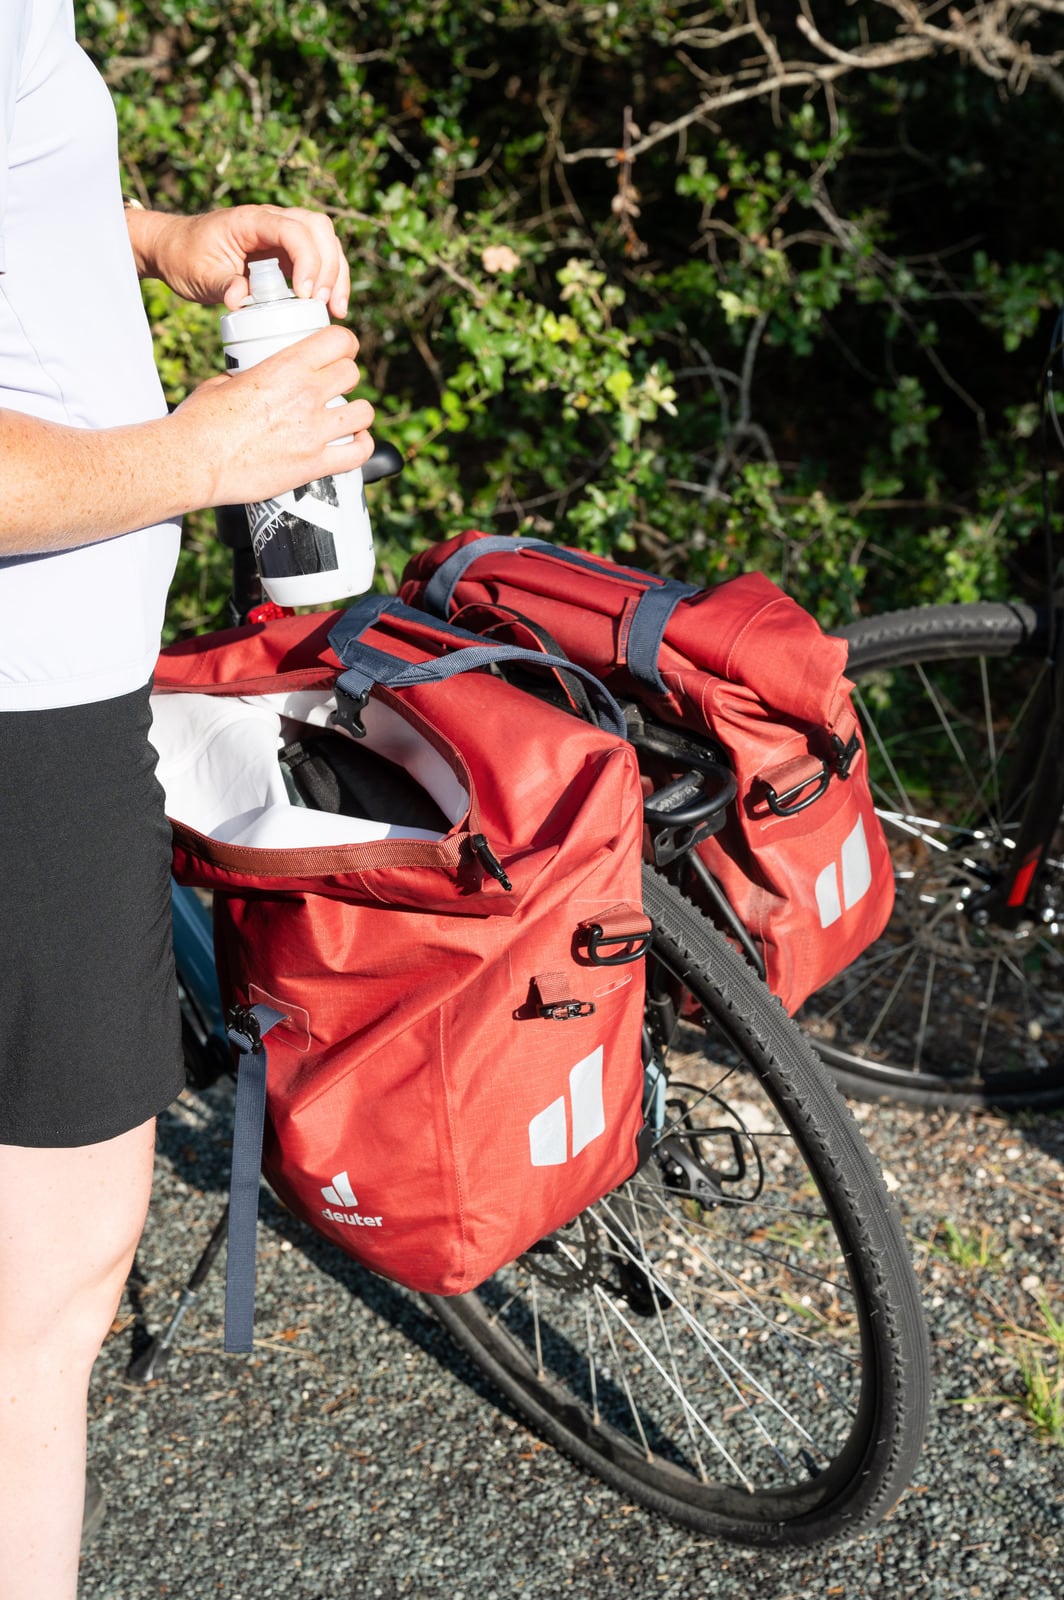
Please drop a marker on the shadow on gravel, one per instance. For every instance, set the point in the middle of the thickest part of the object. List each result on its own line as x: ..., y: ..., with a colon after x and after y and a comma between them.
x: 1043, y: 1129
x: 198, y: 1152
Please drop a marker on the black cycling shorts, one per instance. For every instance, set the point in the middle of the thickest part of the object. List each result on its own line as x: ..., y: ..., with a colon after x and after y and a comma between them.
x: 90, y: 1035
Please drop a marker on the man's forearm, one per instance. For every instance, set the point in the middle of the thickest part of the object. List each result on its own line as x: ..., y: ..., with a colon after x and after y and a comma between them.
x: 71, y: 486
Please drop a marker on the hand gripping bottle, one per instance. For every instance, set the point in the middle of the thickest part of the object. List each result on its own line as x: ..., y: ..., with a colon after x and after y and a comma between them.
x: 312, y: 544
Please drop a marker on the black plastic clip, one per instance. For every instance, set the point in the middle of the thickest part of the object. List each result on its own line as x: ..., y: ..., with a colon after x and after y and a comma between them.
x: 563, y: 1010
x: 349, y: 709
x: 844, y: 755
x: 242, y: 1027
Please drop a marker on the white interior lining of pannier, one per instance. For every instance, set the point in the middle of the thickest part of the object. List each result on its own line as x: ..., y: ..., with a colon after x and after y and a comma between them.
x: 218, y: 766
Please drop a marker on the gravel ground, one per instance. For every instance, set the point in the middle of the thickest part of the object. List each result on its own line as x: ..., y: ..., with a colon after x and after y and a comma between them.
x: 358, y: 1456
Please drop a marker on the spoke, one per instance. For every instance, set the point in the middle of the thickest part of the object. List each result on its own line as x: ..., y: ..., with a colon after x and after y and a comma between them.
x: 667, y: 1342
x: 498, y: 1316
x: 889, y: 1001
x: 991, y: 741
x: 596, y: 1415
x: 1025, y: 986
x: 995, y: 969
x: 948, y: 729
x: 604, y: 1301
x: 540, y: 1369
x: 872, y: 967
x: 702, y: 1095
x: 791, y: 1339
x: 618, y: 1364
x: 785, y: 1337
x: 752, y: 1203
x: 720, y: 1353
x: 869, y: 722
x: 925, y: 1011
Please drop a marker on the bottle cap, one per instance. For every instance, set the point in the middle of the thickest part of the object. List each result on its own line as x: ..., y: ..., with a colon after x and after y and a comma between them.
x: 267, y: 282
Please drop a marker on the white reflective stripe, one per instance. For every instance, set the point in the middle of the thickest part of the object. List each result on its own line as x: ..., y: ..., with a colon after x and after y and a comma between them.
x: 856, y: 866
x: 547, y: 1140
x: 341, y: 1193
x: 827, y: 895
x: 856, y: 877
x: 585, y: 1092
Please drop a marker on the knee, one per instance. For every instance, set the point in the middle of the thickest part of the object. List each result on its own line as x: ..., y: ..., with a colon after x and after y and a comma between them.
x: 63, y: 1262
x: 59, y: 1319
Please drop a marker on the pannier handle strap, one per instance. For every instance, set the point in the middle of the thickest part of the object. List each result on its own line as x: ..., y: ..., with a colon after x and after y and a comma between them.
x: 367, y: 664
x: 246, y: 1026
x: 655, y: 606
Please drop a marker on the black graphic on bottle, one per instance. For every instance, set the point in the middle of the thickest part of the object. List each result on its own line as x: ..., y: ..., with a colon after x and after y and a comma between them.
x: 290, y: 546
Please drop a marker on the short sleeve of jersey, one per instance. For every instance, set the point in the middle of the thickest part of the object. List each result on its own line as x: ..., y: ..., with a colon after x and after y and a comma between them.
x: 14, y: 26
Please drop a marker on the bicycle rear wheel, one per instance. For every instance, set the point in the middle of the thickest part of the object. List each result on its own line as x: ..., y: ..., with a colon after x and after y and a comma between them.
x: 946, y: 1007
x: 733, y: 1338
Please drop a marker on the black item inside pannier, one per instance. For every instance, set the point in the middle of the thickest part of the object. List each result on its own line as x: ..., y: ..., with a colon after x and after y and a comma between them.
x: 328, y: 772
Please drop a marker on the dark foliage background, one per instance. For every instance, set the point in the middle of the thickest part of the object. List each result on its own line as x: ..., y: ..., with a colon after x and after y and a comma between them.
x: 707, y: 284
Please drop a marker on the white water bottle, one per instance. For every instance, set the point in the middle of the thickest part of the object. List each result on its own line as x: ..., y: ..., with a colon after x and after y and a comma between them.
x: 312, y: 544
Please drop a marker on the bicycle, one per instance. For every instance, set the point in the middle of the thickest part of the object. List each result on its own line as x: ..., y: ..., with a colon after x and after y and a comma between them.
x: 734, y: 1337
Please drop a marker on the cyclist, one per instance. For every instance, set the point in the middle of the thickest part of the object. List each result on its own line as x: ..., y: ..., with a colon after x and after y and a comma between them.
x: 95, y: 477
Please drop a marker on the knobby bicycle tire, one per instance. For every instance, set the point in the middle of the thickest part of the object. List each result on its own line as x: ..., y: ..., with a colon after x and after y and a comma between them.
x: 733, y: 1338
x: 941, y: 1009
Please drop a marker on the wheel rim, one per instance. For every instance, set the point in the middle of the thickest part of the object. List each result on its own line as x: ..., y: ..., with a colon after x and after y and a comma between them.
x: 709, y: 1350
x: 943, y: 1004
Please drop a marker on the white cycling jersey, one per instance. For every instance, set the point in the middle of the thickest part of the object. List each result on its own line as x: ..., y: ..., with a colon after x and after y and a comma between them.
x: 80, y: 624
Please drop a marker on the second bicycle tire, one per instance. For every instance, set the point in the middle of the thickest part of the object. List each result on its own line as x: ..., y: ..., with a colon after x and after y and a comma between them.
x: 942, y: 1010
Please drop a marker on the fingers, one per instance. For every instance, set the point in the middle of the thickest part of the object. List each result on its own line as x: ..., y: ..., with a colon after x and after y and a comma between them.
x: 325, y: 361
x: 235, y: 293
x: 347, y: 451
x: 319, y: 266
x: 205, y: 258
x: 353, y: 417
x: 321, y: 368
x: 312, y: 253
x: 334, y: 343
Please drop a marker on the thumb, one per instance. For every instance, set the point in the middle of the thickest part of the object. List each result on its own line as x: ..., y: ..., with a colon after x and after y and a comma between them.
x: 236, y: 292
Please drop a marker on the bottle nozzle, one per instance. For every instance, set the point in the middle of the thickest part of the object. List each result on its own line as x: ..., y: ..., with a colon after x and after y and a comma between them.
x: 267, y: 282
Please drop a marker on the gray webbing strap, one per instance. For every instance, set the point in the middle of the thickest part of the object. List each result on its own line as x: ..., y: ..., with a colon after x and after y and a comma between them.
x: 367, y: 665
x: 655, y: 607
x: 249, y: 1121
x: 656, y: 604
x: 439, y: 591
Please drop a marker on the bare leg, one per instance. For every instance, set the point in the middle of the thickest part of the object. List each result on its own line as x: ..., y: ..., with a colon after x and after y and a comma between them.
x: 69, y: 1225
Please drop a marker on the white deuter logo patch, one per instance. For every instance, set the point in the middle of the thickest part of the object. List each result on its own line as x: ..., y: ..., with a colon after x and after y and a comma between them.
x: 340, y: 1193
x: 548, y: 1132
x: 846, y: 881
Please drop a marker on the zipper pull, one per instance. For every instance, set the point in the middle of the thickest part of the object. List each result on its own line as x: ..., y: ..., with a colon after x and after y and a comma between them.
x: 489, y: 860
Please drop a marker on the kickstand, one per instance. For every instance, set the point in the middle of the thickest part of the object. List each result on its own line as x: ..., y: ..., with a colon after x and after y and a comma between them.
x: 152, y: 1361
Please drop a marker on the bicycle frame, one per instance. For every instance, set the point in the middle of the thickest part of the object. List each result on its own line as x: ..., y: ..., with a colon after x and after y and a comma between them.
x: 1035, y: 794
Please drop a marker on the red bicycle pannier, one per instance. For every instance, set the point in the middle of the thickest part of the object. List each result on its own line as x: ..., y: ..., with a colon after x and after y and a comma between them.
x: 454, y: 1056
x: 802, y: 857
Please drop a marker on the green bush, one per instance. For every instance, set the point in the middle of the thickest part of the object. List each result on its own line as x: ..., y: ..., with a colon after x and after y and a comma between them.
x: 802, y: 331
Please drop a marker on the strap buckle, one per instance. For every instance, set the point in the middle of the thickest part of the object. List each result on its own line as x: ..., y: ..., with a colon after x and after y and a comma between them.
x: 242, y: 1027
